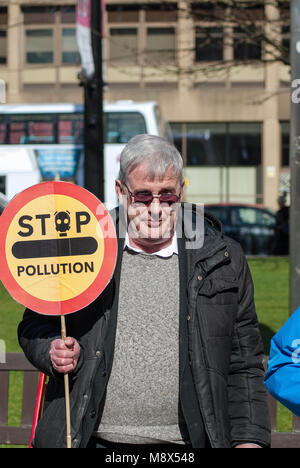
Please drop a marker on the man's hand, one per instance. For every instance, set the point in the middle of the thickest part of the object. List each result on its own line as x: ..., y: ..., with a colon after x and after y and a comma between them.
x: 64, y: 355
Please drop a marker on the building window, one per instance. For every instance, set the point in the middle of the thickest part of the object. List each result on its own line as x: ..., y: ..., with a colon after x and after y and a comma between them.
x: 3, y: 184
x: 160, y: 45
x: 67, y: 15
x: 244, y: 144
x: 209, y: 44
x: 205, y: 144
x: 247, y: 43
x: 161, y: 13
x: 286, y: 36
x: 39, y: 46
x: 122, y: 13
x: 219, y: 144
x: 285, y: 144
x: 212, y: 12
x: 39, y: 15
x: 49, y: 35
x: 143, y: 34
x: 123, y: 45
x: 70, y: 54
x: 3, y: 46
x: 3, y: 35
x: 228, y: 31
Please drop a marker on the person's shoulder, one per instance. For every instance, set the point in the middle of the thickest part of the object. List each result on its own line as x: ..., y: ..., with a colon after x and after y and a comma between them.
x: 234, y: 246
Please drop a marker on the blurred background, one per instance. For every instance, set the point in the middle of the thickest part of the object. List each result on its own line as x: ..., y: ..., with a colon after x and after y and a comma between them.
x: 218, y: 73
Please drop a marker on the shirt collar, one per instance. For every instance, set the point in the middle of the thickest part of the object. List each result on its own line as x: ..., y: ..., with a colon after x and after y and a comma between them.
x: 165, y: 252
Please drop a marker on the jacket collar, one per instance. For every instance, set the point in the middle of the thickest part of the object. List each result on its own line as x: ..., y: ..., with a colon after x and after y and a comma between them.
x: 202, y: 239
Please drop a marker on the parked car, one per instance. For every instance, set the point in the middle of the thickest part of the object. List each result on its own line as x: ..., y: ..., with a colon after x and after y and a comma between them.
x: 3, y: 202
x: 251, y: 225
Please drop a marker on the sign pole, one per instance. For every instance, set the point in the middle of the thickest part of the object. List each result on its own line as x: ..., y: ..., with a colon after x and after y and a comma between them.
x: 67, y: 391
x: 93, y: 116
x: 89, y: 38
x: 295, y: 158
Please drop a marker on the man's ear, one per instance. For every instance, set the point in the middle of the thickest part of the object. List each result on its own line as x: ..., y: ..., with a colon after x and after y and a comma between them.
x: 182, y: 191
x: 118, y: 189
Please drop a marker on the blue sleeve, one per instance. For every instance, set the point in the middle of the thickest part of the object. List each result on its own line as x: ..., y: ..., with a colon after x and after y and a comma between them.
x: 283, y: 374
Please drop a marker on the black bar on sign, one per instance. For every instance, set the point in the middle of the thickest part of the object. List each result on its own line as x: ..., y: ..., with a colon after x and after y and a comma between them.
x: 55, y: 248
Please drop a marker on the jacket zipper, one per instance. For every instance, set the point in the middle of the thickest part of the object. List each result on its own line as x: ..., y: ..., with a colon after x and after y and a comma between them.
x: 87, y: 392
x: 204, y: 359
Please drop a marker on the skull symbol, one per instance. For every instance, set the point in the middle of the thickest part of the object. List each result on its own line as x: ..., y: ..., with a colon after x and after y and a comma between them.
x: 62, y: 222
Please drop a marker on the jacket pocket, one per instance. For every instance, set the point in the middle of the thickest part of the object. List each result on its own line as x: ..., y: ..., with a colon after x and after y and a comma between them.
x: 217, y: 306
x: 219, y: 291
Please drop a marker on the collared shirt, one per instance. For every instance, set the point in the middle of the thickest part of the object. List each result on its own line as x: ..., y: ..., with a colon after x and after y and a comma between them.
x: 165, y: 252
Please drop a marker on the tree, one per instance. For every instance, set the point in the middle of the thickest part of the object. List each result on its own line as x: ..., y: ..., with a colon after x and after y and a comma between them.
x: 211, y: 36
x: 253, y: 30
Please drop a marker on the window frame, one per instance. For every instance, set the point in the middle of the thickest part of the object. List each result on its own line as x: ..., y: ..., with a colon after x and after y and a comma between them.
x: 216, y: 131
x: 4, y: 28
x: 4, y: 63
x: 258, y: 26
x: 206, y: 26
x: 62, y: 27
x: 57, y: 27
x: 54, y: 48
x: 123, y: 26
x: 224, y: 21
x: 141, y: 25
x: 157, y: 26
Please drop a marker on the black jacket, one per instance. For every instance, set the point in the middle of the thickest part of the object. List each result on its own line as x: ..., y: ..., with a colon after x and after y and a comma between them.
x: 220, y: 345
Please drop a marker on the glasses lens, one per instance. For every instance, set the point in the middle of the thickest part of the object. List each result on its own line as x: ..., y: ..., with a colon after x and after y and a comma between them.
x: 145, y: 198
x: 169, y: 198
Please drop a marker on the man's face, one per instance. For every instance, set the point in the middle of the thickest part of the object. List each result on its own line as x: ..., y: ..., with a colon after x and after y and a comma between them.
x: 150, y: 226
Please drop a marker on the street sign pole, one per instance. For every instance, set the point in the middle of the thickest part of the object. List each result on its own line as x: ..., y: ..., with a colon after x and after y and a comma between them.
x: 295, y: 157
x: 93, y: 117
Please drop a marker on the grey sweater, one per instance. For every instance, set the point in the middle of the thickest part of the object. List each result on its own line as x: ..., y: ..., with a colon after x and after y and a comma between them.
x: 142, y: 401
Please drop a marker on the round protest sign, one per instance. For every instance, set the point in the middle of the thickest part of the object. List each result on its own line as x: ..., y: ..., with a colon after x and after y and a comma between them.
x: 58, y: 248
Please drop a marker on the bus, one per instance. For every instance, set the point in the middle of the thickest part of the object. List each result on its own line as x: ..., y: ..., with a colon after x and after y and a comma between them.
x: 42, y: 142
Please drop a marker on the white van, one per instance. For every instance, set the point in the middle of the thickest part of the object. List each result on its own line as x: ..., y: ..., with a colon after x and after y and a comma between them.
x: 18, y: 170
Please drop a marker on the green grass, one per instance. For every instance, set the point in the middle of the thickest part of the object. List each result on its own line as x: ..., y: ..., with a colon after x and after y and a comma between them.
x: 271, y: 282
x: 271, y: 279
x: 10, y: 315
x: 271, y: 288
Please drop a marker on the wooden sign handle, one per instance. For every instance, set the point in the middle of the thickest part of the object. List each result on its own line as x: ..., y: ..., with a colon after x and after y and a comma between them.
x: 67, y: 391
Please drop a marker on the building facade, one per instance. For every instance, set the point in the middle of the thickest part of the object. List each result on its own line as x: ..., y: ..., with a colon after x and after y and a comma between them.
x: 217, y: 72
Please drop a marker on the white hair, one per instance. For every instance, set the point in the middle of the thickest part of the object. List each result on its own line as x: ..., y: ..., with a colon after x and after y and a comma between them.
x: 158, y: 153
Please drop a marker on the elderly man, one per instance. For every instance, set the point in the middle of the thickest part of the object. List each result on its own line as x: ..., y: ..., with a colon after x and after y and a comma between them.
x: 170, y: 355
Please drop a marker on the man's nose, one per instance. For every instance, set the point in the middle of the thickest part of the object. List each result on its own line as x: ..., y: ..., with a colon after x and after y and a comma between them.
x: 155, y: 206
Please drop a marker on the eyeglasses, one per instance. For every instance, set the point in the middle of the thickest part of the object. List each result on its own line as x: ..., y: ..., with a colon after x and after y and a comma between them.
x: 146, y: 198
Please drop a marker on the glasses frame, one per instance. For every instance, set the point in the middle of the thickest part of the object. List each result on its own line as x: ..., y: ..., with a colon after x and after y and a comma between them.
x: 153, y: 196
